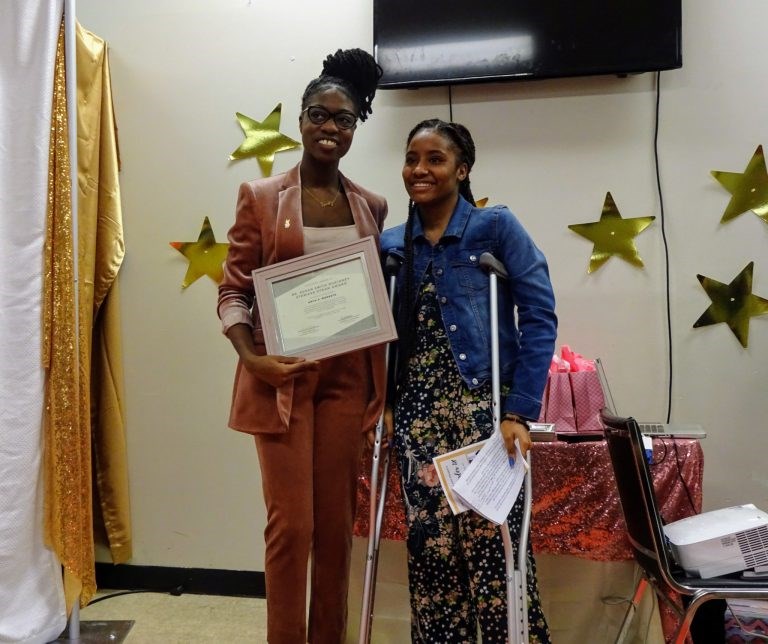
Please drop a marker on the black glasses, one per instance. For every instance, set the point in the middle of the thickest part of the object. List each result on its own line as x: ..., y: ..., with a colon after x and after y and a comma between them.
x: 318, y: 115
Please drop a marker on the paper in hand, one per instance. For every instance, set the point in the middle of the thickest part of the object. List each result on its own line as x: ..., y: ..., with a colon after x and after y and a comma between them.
x: 490, y: 485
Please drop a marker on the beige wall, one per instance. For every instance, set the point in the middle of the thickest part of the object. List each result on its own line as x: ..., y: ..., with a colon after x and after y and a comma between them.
x: 550, y: 150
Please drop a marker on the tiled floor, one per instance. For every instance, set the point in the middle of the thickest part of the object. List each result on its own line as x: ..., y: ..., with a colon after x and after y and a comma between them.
x: 187, y: 619
x: 201, y: 619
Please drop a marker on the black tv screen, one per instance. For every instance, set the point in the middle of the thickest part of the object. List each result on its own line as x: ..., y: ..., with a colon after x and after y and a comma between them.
x: 436, y: 42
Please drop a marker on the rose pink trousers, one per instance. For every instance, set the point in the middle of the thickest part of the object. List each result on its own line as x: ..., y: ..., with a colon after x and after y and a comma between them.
x: 309, y: 476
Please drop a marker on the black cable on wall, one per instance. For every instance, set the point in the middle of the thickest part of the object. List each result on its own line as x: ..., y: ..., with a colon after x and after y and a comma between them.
x: 662, y: 221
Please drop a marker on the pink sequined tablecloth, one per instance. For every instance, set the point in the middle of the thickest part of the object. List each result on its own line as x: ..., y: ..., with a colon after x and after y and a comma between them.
x: 576, y: 507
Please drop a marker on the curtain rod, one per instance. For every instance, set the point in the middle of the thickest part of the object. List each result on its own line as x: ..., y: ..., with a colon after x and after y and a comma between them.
x: 70, y: 63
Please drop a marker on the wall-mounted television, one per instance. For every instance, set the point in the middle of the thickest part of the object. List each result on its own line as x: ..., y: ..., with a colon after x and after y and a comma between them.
x: 438, y: 42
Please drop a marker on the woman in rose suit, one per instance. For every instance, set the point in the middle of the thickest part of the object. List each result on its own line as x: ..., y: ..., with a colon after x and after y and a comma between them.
x: 308, y: 417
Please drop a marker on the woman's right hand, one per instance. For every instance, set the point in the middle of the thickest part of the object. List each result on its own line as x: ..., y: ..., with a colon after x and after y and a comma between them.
x: 277, y: 370
x: 387, y: 431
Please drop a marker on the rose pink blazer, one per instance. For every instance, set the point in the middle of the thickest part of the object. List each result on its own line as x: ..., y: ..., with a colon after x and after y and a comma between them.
x: 268, y: 229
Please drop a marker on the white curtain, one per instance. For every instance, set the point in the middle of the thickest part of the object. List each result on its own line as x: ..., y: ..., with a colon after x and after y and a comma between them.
x: 31, y: 595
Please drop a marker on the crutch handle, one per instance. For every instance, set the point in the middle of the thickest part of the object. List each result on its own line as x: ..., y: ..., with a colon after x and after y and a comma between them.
x: 492, y: 265
x: 392, y: 265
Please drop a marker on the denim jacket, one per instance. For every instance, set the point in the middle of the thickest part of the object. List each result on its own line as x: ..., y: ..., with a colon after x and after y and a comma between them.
x: 526, y: 345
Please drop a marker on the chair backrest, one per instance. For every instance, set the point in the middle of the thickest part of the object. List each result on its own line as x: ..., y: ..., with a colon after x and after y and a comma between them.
x: 638, y: 500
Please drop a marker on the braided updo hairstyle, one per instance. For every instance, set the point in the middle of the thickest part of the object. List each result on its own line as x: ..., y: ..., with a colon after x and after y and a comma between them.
x: 353, y: 71
x: 464, y: 146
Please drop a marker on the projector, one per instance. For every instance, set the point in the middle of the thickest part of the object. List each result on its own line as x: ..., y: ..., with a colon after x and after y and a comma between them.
x: 720, y: 542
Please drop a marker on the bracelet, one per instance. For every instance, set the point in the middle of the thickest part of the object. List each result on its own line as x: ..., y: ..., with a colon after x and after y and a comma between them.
x: 517, y: 419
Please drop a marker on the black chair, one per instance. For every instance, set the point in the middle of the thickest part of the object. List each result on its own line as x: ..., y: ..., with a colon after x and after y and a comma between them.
x: 646, y: 536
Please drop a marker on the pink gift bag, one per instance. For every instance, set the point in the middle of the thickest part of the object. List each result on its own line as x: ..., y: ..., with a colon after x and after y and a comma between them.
x: 587, y: 400
x: 560, y: 403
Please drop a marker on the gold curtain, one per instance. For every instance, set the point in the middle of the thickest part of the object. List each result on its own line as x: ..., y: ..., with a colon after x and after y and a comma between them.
x: 81, y: 349
x: 101, y: 254
x: 67, y: 450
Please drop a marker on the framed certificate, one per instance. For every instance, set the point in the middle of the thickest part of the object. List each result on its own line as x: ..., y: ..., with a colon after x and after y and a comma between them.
x: 326, y: 303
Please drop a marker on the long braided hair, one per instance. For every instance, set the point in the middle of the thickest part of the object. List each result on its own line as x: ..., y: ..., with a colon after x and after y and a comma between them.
x: 353, y: 71
x: 461, y: 141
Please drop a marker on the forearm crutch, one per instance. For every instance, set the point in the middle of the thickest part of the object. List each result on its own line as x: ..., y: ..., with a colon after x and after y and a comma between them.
x: 376, y: 516
x: 517, y: 595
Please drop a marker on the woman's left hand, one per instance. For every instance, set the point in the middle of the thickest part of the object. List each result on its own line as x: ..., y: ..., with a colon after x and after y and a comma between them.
x: 511, y: 430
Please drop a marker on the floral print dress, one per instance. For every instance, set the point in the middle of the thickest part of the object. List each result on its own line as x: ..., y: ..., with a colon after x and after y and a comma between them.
x: 456, y: 566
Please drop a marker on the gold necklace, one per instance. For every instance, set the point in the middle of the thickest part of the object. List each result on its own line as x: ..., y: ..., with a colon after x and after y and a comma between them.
x: 324, y: 204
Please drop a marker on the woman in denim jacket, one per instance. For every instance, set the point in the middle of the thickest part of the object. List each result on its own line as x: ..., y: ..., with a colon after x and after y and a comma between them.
x: 443, y: 394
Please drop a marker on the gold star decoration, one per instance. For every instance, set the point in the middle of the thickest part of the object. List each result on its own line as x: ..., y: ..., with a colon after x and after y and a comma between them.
x: 732, y: 303
x: 481, y: 203
x: 263, y: 140
x: 749, y: 189
x: 205, y: 256
x: 612, y: 235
